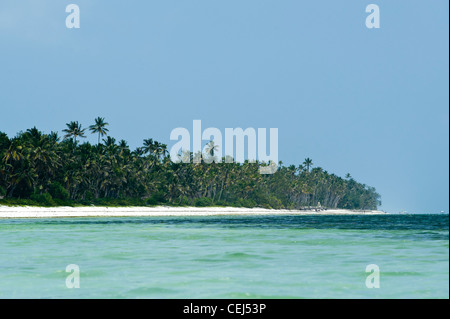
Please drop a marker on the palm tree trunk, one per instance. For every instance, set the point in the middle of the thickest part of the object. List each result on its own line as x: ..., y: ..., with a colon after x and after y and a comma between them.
x: 11, y: 192
x: 223, y: 182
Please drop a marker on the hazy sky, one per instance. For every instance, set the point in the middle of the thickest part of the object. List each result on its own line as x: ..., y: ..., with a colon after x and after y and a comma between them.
x: 371, y: 102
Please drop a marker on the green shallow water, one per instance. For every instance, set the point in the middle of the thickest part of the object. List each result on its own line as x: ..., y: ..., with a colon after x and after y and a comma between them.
x: 226, y: 257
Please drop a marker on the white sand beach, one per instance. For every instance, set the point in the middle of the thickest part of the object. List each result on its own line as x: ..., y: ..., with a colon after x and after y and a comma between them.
x: 54, y: 212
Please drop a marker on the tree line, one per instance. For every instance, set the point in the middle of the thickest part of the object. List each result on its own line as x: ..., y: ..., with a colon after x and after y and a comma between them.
x: 45, y: 169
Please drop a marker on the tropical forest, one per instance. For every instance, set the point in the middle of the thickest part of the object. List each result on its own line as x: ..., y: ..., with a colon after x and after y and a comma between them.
x: 46, y: 169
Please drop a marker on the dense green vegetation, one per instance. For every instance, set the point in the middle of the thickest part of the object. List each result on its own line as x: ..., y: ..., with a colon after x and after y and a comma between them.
x: 41, y: 169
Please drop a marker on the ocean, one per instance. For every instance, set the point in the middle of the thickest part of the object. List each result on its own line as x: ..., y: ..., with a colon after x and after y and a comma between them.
x: 226, y: 257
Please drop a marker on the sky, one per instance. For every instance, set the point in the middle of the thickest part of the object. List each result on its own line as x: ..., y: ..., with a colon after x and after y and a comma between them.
x: 369, y: 102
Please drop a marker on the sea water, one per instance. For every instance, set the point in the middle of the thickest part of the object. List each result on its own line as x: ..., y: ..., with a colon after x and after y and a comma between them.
x: 226, y: 257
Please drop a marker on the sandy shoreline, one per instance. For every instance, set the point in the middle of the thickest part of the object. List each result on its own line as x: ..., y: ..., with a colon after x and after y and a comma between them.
x: 55, y: 212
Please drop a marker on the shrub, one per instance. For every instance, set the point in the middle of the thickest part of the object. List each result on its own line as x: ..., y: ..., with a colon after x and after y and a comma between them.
x: 155, y: 199
x: 185, y: 201
x: 222, y: 203
x: 44, y: 199
x: 89, y: 196
x: 2, y: 192
x: 247, y: 203
x: 203, y: 202
x: 151, y: 202
x: 57, y: 191
x: 275, y: 203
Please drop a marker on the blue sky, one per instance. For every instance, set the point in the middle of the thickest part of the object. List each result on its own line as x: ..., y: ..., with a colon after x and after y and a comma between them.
x: 371, y: 102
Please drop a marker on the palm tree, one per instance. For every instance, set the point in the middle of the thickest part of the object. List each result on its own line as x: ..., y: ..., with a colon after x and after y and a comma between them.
x: 34, y: 134
x: 149, y: 146
x: 99, y: 127
x: 73, y: 131
x: 185, y: 156
x: 211, y: 148
x: 308, y: 163
x: 36, y: 162
x: 44, y: 159
x: 13, y: 153
x: 53, y: 137
x: 138, y: 152
x: 109, y: 141
x: 162, y: 151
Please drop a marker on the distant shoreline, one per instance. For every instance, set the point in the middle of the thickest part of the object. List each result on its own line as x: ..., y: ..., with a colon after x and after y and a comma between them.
x: 159, y: 211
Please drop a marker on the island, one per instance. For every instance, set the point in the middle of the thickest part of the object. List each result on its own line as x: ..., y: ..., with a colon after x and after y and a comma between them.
x: 40, y: 170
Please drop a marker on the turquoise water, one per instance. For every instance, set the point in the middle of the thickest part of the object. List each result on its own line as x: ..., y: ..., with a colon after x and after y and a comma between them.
x: 226, y: 257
